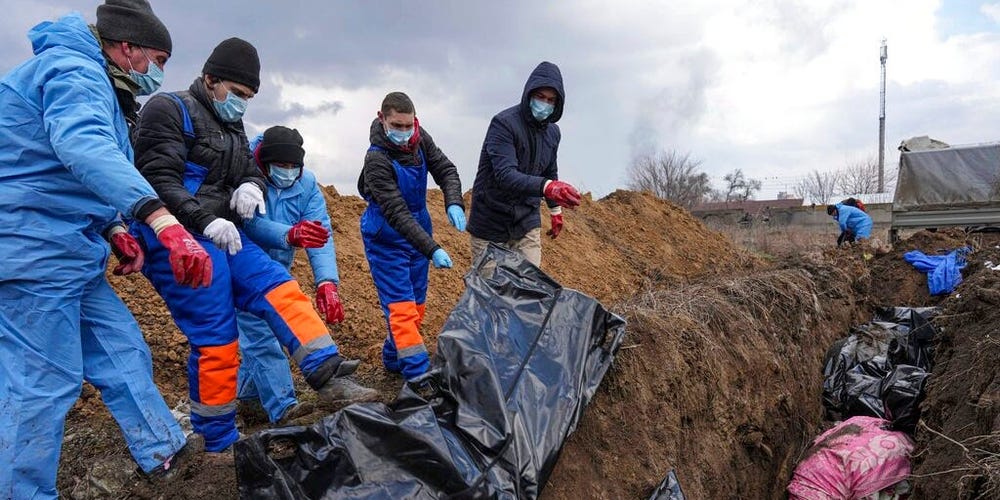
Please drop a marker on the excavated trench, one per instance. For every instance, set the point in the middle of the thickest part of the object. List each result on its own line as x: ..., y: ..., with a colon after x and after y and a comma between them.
x: 719, y: 377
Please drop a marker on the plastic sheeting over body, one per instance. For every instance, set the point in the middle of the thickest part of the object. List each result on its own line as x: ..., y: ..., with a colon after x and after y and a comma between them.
x: 518, y: 360
x: 881, y: 367
x: 669, y: 489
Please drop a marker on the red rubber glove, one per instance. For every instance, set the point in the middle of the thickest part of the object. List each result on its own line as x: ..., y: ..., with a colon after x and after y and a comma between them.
x: 562, y: 193
x: 557, y: 225
x: 128, y: 252
x: 308, y: 234
x: 190, y: 262
x: 328, y: 302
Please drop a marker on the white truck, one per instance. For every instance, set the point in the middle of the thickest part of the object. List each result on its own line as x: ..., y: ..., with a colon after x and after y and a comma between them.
x: 946, y: 186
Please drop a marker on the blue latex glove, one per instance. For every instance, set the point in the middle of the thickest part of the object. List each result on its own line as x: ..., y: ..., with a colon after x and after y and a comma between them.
x: 457, y: 217
x: 441, y: 258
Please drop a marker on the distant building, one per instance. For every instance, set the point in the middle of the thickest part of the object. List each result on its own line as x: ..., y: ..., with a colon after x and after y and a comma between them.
x: 784, y: 195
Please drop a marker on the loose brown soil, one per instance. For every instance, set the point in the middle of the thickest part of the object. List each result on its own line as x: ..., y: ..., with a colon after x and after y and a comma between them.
x: 720, y: 375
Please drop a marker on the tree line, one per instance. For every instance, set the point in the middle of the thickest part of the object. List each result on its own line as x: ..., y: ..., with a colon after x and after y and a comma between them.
x: 679, y: 178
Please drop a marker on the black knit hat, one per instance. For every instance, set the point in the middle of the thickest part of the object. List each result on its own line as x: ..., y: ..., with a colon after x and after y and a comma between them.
x: 235, y: 60
x: 282, y: 145
x: 132, y: 21
x: 830, y: 209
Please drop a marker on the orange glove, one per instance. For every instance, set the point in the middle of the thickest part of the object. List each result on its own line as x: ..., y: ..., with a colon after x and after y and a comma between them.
x: 557, y: 225
x: 328, y: 302
x: 129, y: 253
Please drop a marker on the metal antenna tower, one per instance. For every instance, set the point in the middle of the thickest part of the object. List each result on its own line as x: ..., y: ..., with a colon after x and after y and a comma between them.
x: 881, y: 123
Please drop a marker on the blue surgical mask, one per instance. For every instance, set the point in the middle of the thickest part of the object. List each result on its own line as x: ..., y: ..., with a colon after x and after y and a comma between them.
x: 284, y: 177
x: 149, y: 81
x: 399, y: 137
x: 541, y: 109
x: 232, y: 109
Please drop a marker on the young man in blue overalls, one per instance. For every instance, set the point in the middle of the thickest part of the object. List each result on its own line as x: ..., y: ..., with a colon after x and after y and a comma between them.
x: 396, y: 227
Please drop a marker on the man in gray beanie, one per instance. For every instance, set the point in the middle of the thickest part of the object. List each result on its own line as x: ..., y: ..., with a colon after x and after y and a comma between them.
x: 66, y: 176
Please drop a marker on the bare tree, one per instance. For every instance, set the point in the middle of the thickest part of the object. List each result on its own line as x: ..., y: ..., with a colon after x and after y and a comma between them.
x: 715, y: 196
x: 860, y: 177
x: 818, y: 187
x: 739, y: 187
x: 670, y: 176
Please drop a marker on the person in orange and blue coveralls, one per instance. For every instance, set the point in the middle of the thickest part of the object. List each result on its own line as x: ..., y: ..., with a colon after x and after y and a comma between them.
x: 192, y: 148
x: 396, y: 226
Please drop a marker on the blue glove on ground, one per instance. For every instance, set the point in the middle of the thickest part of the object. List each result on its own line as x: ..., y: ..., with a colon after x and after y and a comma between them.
x: 441, y: 259
x: 457, y: 217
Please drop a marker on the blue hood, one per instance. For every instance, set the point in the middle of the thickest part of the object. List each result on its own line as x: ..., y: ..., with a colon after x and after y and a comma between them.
x: 70, y: 32
x: 545, y: 74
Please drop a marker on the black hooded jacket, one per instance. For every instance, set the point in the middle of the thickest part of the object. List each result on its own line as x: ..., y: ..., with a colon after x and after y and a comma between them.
x: 518, y: 156
x: 378, y: 183
x: 161, y: 151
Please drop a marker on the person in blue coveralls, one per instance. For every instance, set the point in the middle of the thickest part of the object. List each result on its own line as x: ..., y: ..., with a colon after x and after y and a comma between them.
x: 192, y: 148
x: 854, y: 223
x: 66, y: 177
x: 396, y: 226
x: 296, y: 217
x: 517, y: 168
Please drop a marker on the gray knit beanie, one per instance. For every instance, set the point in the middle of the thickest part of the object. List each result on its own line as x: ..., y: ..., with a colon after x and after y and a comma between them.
x: 132, y: 21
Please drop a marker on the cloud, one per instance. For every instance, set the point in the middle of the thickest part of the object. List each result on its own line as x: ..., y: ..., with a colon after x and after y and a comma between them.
x: 775, y: 87
x: 992, y: 11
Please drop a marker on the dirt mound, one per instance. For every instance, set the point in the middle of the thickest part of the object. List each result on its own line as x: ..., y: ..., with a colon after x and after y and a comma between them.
x: 959, y: 444
x: 721, y: 380
x: 897, y: 283
x: 608, y: 249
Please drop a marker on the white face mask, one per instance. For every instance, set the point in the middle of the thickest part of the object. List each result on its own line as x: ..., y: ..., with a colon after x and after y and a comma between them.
x: 284, y: 177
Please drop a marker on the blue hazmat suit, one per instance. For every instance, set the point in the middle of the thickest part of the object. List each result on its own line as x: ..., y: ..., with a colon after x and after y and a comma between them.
x: 944, y: 272
x: 264, y: 369
x: 854, y: 220
x: 65, y: 174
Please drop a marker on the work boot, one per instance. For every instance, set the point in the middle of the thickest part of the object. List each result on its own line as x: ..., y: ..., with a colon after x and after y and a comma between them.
x: 333, y: 381
x: 346, y: 390
x: 295, y: 412
x: 172, y: 467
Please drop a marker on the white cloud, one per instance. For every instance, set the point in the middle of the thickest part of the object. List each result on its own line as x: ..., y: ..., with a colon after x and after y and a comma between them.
x: 992, y: 11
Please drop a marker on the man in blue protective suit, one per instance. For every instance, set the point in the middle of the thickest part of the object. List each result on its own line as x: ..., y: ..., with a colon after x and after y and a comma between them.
x: 396, y: 226
x: 296, y: 217
x: 66, y: 174
x: 517, y: 168
x: 854, y: 223
x: 192, y: 148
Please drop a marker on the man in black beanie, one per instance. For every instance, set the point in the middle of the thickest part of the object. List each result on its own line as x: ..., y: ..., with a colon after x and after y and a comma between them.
x: 136, y: 46
x: 192, y: 148
x: 67, y: 175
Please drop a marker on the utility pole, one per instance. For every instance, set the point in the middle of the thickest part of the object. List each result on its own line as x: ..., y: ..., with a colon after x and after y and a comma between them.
x: 881, y: 124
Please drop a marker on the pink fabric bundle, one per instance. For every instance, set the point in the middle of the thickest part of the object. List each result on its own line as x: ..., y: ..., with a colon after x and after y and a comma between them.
x: 854, y: 459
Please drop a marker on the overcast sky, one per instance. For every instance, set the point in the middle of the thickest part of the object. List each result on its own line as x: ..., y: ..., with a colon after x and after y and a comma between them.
x: 776, y: 88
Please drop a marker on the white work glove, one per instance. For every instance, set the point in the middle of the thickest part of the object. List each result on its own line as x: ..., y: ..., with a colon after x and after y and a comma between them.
x: 246, y: 199
x: 224, y: 234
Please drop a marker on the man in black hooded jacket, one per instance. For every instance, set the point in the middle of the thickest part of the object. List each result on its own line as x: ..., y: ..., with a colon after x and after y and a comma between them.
x: 517, y: 167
